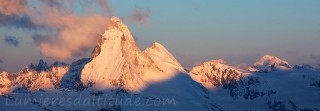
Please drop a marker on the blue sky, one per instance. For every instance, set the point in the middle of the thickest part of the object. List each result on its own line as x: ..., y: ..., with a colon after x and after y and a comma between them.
x: 238, y: 31
x: 234, y: 30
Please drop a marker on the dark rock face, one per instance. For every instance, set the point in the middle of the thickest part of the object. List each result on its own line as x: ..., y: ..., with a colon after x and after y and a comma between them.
x: 97, y: 49
x: 315, y: 84
x: 96, y: 52
x: 42, y: 66
x: 72, y: 80
x: 249, y: 88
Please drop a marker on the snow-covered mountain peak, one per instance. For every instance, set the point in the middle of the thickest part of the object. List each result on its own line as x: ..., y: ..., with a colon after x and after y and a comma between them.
x: 212, y: 64
x: 117, y: 61
x: 115, y: 19
x: 117, y: 31
x: 270, y: 63
x: 268, y: 59
x: 160, y: 54
x: 116, y: 24
x: 219, y: 63
x: 116, y: 37
x: 214, y: 73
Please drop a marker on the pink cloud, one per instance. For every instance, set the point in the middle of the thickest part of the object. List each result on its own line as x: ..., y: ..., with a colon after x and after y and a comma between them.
x: 11, y: 7
x: 68, y: 34
x: 138, y: 16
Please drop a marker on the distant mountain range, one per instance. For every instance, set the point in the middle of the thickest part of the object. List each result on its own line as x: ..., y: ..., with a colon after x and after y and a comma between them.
x: 119, y: 71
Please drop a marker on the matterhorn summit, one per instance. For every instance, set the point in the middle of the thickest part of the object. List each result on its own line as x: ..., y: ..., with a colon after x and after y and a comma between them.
x: 268, y: 63
x: 118, y: 62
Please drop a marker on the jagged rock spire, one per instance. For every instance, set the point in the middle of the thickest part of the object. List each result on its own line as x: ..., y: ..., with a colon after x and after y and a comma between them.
x: 42, y: 66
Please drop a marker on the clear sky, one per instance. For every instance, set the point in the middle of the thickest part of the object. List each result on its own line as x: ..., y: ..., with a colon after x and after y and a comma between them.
x: 238, y: 31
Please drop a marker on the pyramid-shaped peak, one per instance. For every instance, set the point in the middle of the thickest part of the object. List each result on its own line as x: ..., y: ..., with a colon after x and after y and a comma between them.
x: 116, y: 23
x: 116, y: 29
x: 115, y: 19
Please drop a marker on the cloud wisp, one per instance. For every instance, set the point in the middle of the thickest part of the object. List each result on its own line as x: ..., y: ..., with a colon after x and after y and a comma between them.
x: 11, y: 40
x: 138, y: 16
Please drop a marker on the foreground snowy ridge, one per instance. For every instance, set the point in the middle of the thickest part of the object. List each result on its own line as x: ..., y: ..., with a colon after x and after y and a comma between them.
x: 126, y: 78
